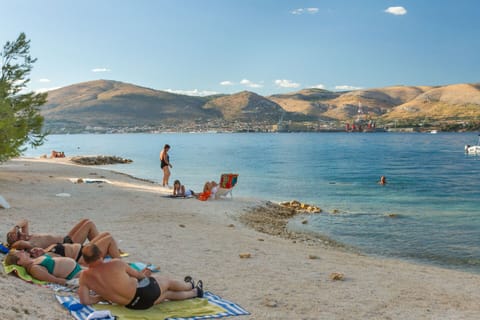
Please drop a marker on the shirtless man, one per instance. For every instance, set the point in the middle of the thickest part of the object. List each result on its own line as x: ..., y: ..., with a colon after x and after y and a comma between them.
x: 115, y: 281
x: 103, y: 240
x: 19, y: 236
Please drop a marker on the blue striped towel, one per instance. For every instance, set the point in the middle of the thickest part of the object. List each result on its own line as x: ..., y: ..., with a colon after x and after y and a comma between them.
x: 231, y: 309
x: 79, y: 314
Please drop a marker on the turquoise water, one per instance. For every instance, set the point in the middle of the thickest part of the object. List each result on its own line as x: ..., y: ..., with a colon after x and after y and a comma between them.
x: 432, y: 185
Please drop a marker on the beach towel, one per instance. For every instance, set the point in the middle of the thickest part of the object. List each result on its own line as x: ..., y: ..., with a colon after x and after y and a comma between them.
x: 3, y: 203
x: 139, y: 266
x: 88, y: 180
x: 171, y: 196
x: 60, y: 288
x: 211, y: 307
x: 77, y: 310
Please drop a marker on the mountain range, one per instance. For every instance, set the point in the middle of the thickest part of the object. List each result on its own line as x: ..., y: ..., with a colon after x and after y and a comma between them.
x: 114, y: 104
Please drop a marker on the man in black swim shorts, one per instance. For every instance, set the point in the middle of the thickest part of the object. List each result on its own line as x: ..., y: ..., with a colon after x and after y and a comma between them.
x: 117, y: 282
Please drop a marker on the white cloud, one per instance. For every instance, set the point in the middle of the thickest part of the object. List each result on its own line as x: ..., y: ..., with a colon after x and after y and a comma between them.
x: 194, y: 92
x: 101, y: 70
x: 226, y: 83
x: 42, y: 90
x: 300, y: 11
x: 318, y: 86
x: 397, y: 11
x: 250, y: 84
x: 346, y: 88
x: 297, y: 11
x: 44, y: 80
x: 286, y: 84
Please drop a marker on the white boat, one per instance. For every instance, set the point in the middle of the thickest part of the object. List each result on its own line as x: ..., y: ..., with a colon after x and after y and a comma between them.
x: 475, y: 149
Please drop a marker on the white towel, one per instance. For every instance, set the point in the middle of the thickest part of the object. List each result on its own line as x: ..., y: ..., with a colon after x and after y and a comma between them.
x: 4, y: 203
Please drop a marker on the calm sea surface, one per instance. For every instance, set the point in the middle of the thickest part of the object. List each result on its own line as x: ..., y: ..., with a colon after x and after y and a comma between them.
x: 433, y: 187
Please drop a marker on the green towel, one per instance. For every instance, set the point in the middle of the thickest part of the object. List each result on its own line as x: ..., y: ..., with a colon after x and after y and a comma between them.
x: 167, y: 309
x: 21, y: 272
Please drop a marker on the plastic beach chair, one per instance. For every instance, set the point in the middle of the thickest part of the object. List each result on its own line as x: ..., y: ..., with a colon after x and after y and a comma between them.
x: 227, y: 182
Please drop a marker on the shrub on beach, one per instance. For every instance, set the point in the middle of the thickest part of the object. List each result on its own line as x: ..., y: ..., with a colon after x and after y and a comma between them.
x: 20, y: 119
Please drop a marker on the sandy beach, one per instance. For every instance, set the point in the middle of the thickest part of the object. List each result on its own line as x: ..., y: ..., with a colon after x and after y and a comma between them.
x: 286, y: 277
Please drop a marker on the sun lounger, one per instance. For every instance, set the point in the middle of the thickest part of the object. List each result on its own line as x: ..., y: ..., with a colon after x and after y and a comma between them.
x: 227, y: 182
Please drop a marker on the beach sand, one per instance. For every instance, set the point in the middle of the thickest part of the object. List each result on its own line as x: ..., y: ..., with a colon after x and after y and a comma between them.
x: 286, y: 277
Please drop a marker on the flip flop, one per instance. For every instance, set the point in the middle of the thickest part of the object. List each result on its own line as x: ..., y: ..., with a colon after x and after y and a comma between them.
x: 199, y: 289
x: 190, y: 280
x: 123, y: 254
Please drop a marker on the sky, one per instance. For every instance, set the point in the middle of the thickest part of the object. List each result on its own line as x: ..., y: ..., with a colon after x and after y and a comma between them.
x: 201, y: 47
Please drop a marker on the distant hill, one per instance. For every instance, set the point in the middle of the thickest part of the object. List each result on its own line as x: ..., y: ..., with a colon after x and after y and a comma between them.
x: 107, y: 103
x: 245, y: 106
x: 406, y: 103
x: 459, y: 101
x: 313, y: 102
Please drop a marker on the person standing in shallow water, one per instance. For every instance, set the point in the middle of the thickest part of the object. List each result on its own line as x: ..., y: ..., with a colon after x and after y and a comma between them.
x: 165, y: 164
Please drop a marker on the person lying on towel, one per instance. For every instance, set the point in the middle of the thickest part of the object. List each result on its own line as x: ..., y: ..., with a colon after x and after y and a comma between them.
x: 46, y: 268
x: 179, y: 190
x: 116, y: 282
x: 104, y: 241
x: 19, y: 236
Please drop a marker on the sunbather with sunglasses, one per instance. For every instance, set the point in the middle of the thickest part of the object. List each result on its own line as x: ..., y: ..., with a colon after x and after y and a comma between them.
x: 104, y: 241
x: 51, y: 269
x: 115, y: 281
x: 19, y: 236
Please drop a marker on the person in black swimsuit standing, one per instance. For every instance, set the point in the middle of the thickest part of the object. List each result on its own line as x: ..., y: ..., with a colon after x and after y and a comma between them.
x: 165, y: 164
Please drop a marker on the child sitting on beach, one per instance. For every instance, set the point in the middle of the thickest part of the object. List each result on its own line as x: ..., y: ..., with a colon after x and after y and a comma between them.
x: 180, y: 191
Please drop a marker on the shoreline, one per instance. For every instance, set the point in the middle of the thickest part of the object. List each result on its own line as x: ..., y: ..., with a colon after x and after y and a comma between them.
x: 284, y: 278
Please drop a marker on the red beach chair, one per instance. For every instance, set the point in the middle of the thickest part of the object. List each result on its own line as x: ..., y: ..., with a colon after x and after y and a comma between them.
x: 227, y: 182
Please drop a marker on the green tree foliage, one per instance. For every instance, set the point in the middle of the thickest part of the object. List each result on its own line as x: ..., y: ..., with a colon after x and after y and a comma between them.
x: 20, y: 119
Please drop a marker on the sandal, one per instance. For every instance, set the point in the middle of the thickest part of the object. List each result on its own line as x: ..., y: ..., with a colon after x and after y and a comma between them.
x: 199, y: 289
x: 190, y: 280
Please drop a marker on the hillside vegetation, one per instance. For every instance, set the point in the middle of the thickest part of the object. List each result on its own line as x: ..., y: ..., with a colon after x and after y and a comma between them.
x: 113, y: 104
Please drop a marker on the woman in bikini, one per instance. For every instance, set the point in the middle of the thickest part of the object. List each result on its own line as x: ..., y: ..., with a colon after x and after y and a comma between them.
x: 104, y: 241
x: 180, y: 191
x: 51, y: 269
x: 165, y: 164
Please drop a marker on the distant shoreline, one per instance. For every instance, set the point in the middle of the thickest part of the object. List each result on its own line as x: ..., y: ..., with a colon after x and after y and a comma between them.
x: 390, y: 130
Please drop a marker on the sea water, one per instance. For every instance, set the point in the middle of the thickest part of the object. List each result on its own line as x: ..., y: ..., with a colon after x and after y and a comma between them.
x: 428, y: 212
